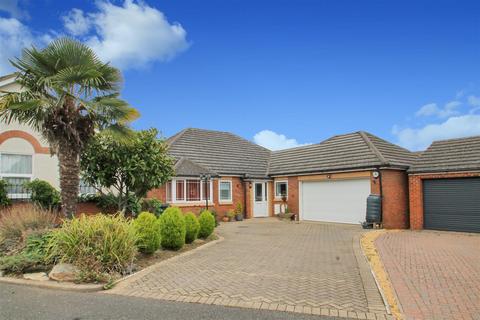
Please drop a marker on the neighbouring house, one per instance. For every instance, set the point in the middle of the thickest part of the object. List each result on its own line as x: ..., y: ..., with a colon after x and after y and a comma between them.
x: 24, y: 154
x: 329, y: 181
x: 445, y: 186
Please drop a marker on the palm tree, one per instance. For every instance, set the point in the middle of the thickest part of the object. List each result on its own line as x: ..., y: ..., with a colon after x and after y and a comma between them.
x: 67, y: 95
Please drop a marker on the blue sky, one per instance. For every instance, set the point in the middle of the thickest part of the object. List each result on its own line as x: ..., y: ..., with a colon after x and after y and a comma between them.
x: 279, y: 72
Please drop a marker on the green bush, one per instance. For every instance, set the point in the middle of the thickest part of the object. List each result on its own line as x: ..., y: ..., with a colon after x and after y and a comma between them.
x: 33, y: 257
x: 43, y: 194
x: 152, y: 205
x: 192, y: 227
x: 4, y: 199
x: 173, y: 228
x: 207, y: 224
x: 19, y: 263
x: 147, y: 227
x: 97, y: 245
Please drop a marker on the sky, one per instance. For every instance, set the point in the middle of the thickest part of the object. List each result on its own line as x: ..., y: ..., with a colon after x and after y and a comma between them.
x: 280, y: 73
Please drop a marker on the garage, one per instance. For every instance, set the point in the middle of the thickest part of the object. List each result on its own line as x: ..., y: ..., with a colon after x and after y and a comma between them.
x: 452, y: 204
x: 342, y: 201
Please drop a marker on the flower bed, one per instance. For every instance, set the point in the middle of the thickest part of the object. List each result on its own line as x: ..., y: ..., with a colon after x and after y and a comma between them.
x: 98, y: 248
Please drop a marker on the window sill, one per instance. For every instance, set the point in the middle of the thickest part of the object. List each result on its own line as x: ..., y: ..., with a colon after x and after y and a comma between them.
x: 225, y: 203
x: 279, y: 199
x: 191, y: 204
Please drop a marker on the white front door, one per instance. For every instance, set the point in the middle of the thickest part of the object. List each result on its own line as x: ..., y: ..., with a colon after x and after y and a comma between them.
x: 334, y: 200
x: 260, y: 199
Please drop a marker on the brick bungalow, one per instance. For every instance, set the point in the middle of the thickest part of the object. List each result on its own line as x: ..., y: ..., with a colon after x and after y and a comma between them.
x: 328, y: 181
x: 445, y: 186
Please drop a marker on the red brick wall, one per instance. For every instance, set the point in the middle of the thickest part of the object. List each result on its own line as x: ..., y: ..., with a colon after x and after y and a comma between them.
x: 88, y: 208
x: 415, y: 183
x: 220, y: 208
x: 395, y: 199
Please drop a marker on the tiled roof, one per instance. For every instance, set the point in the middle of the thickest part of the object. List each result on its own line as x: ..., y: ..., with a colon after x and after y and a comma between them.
x: 450, y: 155
x: 349, y: 151
x: 225, y: 153
x: 220, y: 152
x: 187, y: 168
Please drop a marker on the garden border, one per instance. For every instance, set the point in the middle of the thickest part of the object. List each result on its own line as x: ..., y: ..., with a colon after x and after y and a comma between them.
x: 70, y: 286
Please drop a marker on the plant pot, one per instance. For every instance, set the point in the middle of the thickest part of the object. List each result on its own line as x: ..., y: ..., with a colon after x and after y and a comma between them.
x: 225, y: 219
x: 239, y: 217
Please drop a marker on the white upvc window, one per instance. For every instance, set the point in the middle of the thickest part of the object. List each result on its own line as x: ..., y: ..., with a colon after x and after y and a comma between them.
x: 188, y: 190
x: 281, y: 189
x: 225, y: 191
x: 16, y: 170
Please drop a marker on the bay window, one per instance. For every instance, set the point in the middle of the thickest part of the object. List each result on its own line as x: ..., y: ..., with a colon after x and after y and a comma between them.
x: 188, y: 190
x: 16, y: 170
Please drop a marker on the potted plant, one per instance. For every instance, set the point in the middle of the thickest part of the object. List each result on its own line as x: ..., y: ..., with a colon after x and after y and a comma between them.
x: 225, y: 218
x: 239, y: 212
x: 230, y: 215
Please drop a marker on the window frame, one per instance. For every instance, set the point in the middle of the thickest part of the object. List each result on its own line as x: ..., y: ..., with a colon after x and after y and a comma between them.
x: 220, y: 200
x: 173, y: 195
x: 28, y: 176
x: 279, y: 196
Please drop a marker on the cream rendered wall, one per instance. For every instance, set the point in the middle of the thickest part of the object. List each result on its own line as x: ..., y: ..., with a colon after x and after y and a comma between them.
x: 45, y: 166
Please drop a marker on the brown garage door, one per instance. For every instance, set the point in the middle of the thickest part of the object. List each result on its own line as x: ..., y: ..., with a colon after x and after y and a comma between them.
x: 452, y: 204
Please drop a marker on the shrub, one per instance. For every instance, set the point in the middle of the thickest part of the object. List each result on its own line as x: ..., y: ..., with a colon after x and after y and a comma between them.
x: 4, y: 199
x: 173, y: 228
x: 147, y: 227
x: 214, y: 213
x: 98, y: 245
x: 16, y: 222
x: 33, y: 257
x: 153, y: 205
x: 18, y: 263
x: 43, y: 194
x: 207, y: 224
x: 192, y: 227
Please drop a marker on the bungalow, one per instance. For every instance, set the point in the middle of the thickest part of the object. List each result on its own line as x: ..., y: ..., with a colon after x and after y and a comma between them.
x: 445, y: 186
x: 328, y: 181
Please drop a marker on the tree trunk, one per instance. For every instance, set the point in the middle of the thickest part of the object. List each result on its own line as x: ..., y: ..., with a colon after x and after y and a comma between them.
x: 69, y: 179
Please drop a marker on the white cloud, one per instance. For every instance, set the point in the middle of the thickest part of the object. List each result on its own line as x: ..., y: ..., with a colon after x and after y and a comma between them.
x: 76, y: 23
x: 275, y: 141
x: 13, y: 8
x: 427, y: 110
x: 14, y: 36
x: 453, y: 127
x: 131, y: 35
x: 432, y: 109
x: 474, y: 101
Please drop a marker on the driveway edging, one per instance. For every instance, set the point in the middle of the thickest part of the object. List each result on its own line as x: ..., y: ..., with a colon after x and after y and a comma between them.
x: 379, y: 273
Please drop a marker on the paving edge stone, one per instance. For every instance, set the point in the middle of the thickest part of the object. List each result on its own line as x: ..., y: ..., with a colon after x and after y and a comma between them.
x: 379, y: 273
x: 130, y: 277
x: 64, y: 286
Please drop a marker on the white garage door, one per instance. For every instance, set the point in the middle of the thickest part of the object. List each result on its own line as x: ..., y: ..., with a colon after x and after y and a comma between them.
x: 334, y: 200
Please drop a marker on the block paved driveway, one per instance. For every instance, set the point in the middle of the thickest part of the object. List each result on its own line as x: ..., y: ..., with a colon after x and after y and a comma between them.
x: 436, y: 275
x: 269, y: 264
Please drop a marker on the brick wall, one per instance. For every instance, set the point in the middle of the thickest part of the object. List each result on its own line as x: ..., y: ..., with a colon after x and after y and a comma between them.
x: 395, y: 199
x: 415, y: 185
